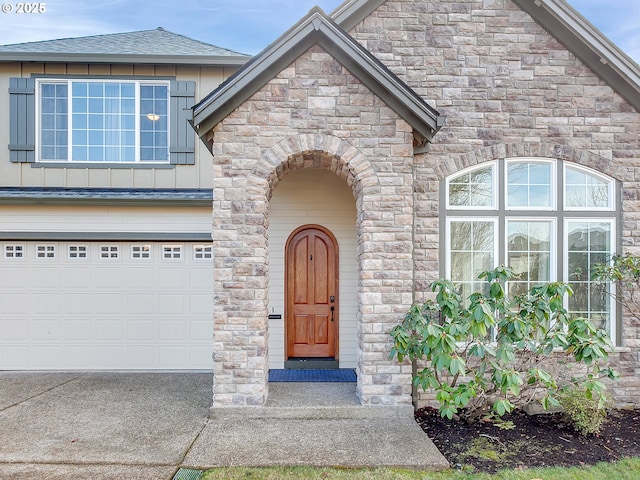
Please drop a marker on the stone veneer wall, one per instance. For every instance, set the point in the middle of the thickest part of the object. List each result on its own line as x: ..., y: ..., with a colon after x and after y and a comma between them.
x: 507, y: 88
x: 313, y: 114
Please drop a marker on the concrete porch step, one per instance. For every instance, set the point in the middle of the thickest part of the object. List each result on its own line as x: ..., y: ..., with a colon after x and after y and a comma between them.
x: 320, y: 424
x: 315, y: 400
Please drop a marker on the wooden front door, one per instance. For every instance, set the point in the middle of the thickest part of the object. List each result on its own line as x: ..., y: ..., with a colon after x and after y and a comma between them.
x: 312, y: 293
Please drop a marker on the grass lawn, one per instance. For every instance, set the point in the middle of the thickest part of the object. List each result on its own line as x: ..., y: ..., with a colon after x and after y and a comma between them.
x: 624, y: 470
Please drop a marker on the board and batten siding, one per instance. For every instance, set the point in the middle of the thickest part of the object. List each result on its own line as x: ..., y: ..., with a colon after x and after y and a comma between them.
x: 318, y: 197
x: 100, y: 219
x: 186, y: 170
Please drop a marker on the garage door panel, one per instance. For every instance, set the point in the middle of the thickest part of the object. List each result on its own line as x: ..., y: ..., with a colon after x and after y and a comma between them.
x: 202, y: 329
x: 141, y: 330
x: 141, y: 279
x: 14, y: 303
x: 172, y: 278
x: 77, y: 278
x: 171, y: 304
x: 201, y: 304
x: 109, y: 357
x: 15, y: 357
x: 109, y: 303
x: 201, y: 357
x: 41, y: 356
x: 142, y: 304
x: 172, y: 355
x: 109, y: 331
x: 112, y: 276
x: 78, y: 304
x: 45, y: 330
x: 14, y: 277
x: 13, y: 330
x: 76, y: 330
x: 173, y: 330
x: 45, y: 278
x: 44, y: 303
x: 141, y: 356
x: 76, y: 356
x: 112, y: 312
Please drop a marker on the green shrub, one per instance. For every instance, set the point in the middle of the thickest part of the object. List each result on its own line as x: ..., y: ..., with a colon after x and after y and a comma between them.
x: 585, y: 414
x: 488, y: 354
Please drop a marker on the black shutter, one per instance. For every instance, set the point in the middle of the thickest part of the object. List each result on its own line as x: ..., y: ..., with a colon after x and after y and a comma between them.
x: 182, y: 136
x: 22, y: 121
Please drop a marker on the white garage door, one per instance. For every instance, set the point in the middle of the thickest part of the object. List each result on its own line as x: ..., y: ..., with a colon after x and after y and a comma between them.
x: 105, y: 306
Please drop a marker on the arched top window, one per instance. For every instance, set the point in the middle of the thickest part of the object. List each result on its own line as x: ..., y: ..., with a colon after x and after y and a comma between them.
x: 547, y: 219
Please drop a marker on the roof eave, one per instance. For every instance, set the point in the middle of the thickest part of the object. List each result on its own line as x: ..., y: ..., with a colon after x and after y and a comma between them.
x: 45, y: 57
x: 352, y: 12
x: 587, y: 43
x: 315, y: 28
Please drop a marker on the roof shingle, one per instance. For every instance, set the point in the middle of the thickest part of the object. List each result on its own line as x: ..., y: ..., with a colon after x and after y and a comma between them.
x: 158, y: 46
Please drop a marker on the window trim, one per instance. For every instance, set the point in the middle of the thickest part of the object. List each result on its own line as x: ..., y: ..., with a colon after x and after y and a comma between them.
x: 46, y: 246
x: 174, y: 249
x: 206, y: 250
x: 138, y: 81
x: 494, y: 189
x: 109, y: 251
x: 142, y: 257
x: 553, y: 193
x: 613, y: 310
x: 488, y: 219
x: 553, y: 235
x: 21, y: 256
x: 78, y: 252
x: 589, y: 172
x: 559, y: 215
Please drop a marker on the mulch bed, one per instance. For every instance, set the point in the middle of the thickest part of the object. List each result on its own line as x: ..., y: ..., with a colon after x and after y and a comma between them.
x: 535, y: 441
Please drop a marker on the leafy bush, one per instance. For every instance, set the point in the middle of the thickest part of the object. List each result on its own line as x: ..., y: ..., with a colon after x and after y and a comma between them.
x: 585, y: 414
x: 490, y: 354
x: 624, y: 271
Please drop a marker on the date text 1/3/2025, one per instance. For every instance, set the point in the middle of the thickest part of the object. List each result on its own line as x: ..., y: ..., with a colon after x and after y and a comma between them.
x: 23, y: 7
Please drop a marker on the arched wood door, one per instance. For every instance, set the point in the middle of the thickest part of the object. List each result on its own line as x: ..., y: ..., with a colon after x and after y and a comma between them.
x: 311, y: 266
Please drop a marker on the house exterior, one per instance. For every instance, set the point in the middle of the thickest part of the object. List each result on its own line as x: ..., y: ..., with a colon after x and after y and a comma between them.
x: 359, y: 157
x: 105, y: 203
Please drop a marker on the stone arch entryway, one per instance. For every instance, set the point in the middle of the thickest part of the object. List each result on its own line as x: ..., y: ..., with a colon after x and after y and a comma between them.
x: 242, y: 274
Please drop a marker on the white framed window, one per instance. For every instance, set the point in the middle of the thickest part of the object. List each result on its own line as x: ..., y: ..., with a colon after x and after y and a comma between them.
x: 202, y: 252
x: 472, y: 249
x: 100, y: 120
x: 530, y: 184
x: 46, y: 251
x: 589, y: 241
x: 475, y: 188
x: 14, y: 251
x: 548, y: 220
x: 587, y: 190
x: 529, y: 253
x: 140, y: 252
x: 109, y: 251
x: 172, y: 252
x: 78, y: 252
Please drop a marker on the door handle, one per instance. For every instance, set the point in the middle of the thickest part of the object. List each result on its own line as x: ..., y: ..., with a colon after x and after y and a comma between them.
x: 332, y: 310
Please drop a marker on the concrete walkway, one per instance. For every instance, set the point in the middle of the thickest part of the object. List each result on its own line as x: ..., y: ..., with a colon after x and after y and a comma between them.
x: 148, y: 425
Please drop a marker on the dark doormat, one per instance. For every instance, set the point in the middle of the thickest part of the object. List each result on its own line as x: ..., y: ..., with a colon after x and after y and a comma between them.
x: 288, y: 375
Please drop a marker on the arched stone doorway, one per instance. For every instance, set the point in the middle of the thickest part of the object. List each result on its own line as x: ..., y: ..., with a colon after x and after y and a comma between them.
x: 242, y: 271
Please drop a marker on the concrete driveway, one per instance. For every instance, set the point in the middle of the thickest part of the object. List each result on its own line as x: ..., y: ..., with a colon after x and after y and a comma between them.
x: 149, y: 425
x: 99, y: 425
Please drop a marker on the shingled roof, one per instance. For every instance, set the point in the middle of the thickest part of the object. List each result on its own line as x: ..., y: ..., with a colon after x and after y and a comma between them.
x: 146, y: 46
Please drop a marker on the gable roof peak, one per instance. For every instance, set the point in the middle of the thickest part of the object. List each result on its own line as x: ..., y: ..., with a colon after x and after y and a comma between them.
x: 316, y: 28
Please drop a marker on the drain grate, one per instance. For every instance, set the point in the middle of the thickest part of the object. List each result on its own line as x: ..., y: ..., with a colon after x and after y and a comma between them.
x: 188, y: 474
